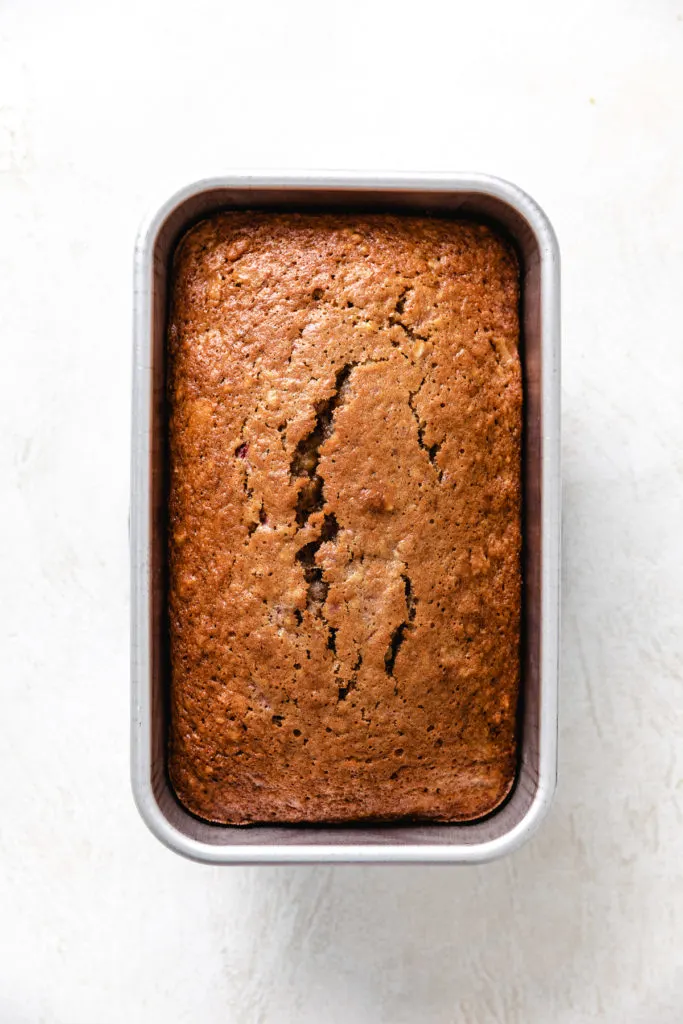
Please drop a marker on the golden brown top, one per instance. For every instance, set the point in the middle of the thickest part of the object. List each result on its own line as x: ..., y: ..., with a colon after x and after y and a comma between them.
x: 344, y: 518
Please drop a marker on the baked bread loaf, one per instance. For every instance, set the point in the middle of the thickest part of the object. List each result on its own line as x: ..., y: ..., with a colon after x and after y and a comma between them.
x: 344, y: 598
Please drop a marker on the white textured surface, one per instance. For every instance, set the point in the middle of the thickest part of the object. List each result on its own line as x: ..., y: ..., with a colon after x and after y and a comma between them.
x: 105, y: 107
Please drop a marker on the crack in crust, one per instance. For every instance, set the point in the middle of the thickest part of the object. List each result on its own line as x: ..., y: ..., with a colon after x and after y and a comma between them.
x: 433, y: 449
x: 306, y: 458
x: 396, y: 321
x: 353, y: 681
x: 313, y: 574
x: 311, y: 498
x: 399, y: 634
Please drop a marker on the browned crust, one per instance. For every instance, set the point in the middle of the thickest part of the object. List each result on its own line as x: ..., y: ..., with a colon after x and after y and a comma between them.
x: 346, y: 412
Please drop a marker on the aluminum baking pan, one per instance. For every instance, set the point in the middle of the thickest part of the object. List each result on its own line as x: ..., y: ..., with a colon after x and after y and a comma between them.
x: 503, y: 831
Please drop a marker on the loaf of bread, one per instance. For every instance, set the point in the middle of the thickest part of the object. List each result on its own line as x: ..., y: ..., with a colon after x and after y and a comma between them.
x: 344, y: 528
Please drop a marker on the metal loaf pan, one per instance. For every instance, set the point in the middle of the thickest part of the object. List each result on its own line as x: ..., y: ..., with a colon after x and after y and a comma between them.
x: 503, y: 831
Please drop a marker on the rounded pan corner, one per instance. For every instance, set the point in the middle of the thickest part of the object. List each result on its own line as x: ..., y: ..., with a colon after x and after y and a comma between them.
x: 155, y: 819
x: 157, y: 214
x: 525, y: 205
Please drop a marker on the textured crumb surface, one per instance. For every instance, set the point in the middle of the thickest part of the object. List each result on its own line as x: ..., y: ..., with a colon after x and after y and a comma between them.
x: 344, y: 598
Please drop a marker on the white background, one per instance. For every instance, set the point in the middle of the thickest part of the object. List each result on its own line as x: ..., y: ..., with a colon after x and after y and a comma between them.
x: 104, y: 109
